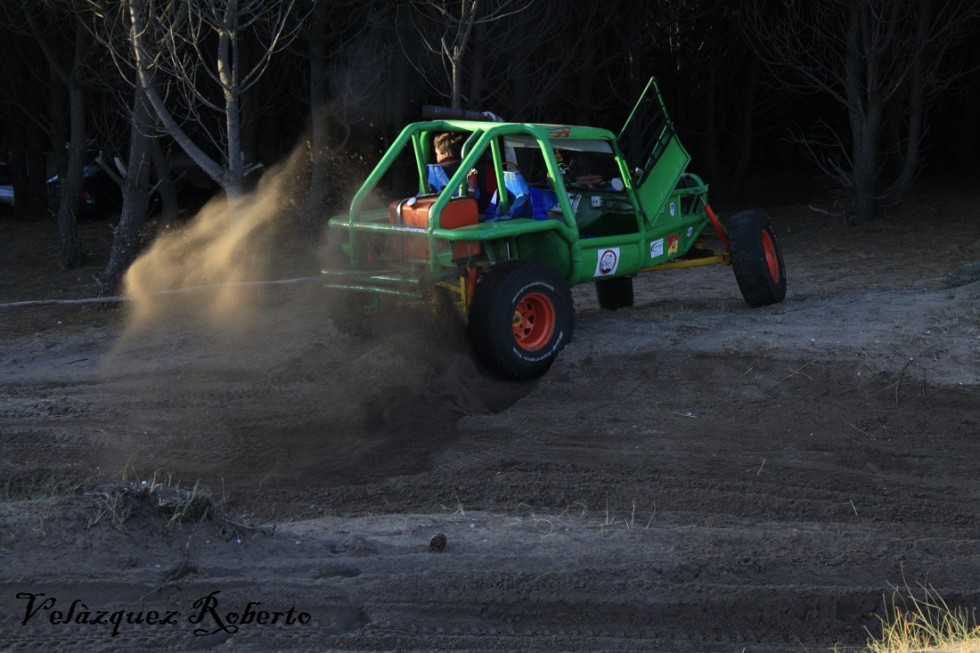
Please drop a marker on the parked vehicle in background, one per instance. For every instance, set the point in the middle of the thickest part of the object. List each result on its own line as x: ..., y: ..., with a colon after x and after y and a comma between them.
x: 6, y: 189
x: 99, y: 197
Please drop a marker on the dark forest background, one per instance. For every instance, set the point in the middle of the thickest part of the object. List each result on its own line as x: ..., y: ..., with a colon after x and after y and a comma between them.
x: 176, y: 101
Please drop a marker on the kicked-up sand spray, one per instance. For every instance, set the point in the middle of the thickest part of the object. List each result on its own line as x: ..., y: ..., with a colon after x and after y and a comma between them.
x: 228, y: 379
x: 210, y: 264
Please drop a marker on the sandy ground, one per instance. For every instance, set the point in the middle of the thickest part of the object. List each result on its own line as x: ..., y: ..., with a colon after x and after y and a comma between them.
x: 692, y: 474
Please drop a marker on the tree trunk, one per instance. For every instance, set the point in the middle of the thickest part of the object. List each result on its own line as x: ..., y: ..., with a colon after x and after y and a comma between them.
x: 404, y: 86
x: 135, y: 199
x: 711, y: 146
x: 519, y: 67
x: 234, y: 173
x: 479, y: 57
x: 747, y: 128
x: 142, y: 58
x: 37, y: 169
x: 586, y: 84
x: 864, y: 114
x: 71, y: 182
x: 864, y: 169
x: 169, y: 202
x: 916, y: 113
x: 71, y: 187
x: 68, y: 145
x: 968, y: 154
x: 468, y: 11
x: 28, y: 141
x: 58, y: 131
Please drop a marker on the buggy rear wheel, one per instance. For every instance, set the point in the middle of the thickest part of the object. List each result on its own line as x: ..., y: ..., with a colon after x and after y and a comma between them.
x: 757, y: 258
x: 522, y: 315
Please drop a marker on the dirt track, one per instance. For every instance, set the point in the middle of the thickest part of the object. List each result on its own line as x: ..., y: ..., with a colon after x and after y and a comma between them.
x: 692, y: 475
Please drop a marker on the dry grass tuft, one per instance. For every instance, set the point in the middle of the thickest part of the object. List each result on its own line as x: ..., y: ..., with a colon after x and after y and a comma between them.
x: 963, y: 275
x: 116, y: 502
x: 39, y: 486
x: 925, y: 624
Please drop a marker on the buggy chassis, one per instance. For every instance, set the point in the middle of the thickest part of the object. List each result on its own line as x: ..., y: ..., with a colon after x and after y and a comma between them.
x: 508, y: 273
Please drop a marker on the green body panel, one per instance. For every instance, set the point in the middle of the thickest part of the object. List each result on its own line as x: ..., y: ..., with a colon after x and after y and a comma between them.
x: 608, y: 256
x: 592, y: 232
x: 653, y: 193
x: 545, y: 247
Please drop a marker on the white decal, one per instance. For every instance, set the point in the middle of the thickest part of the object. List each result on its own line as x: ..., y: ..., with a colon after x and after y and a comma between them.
x: 657, y: 248
x: 673, y: 209
x: 690, y: 231
x: 607, y: 261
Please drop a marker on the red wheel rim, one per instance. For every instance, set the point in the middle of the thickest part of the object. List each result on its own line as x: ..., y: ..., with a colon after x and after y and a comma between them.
x: 533, y: 322
x: 772, y: 260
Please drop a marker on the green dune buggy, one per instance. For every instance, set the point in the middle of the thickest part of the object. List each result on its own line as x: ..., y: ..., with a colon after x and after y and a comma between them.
x: 525, y: 212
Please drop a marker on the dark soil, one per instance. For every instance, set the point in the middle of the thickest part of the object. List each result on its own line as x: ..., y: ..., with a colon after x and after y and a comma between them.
x: 691, y: 475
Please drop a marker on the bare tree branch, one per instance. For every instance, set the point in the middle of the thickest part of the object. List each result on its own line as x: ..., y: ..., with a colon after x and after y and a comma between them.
x: 444, y: 29
x: 193, y: 51
x: 878, y: 60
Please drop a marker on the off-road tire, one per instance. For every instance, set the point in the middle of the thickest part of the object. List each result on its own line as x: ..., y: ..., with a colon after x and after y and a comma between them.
x: 757, y: 258
x: 614, y: 294
x: 521, y: 316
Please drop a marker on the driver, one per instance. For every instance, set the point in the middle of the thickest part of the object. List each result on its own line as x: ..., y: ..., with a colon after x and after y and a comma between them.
x: 448, y: 148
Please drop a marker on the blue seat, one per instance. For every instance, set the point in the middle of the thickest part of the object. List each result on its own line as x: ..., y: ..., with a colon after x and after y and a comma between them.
x: 439, y: 174
x: 526, y: 201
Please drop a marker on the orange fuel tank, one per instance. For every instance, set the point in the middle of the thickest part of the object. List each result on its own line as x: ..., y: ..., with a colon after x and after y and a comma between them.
x: 415, y: 212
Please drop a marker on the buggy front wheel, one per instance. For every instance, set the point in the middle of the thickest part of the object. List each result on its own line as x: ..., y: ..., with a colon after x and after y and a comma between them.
x: 757, y: 259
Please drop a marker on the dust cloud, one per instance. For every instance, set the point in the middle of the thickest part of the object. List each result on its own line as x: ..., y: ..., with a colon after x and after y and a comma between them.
x: 213, y: 262
x: 222, y: 377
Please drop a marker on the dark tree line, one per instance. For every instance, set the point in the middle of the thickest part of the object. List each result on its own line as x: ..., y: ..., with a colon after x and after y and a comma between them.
x: 158, y: 92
